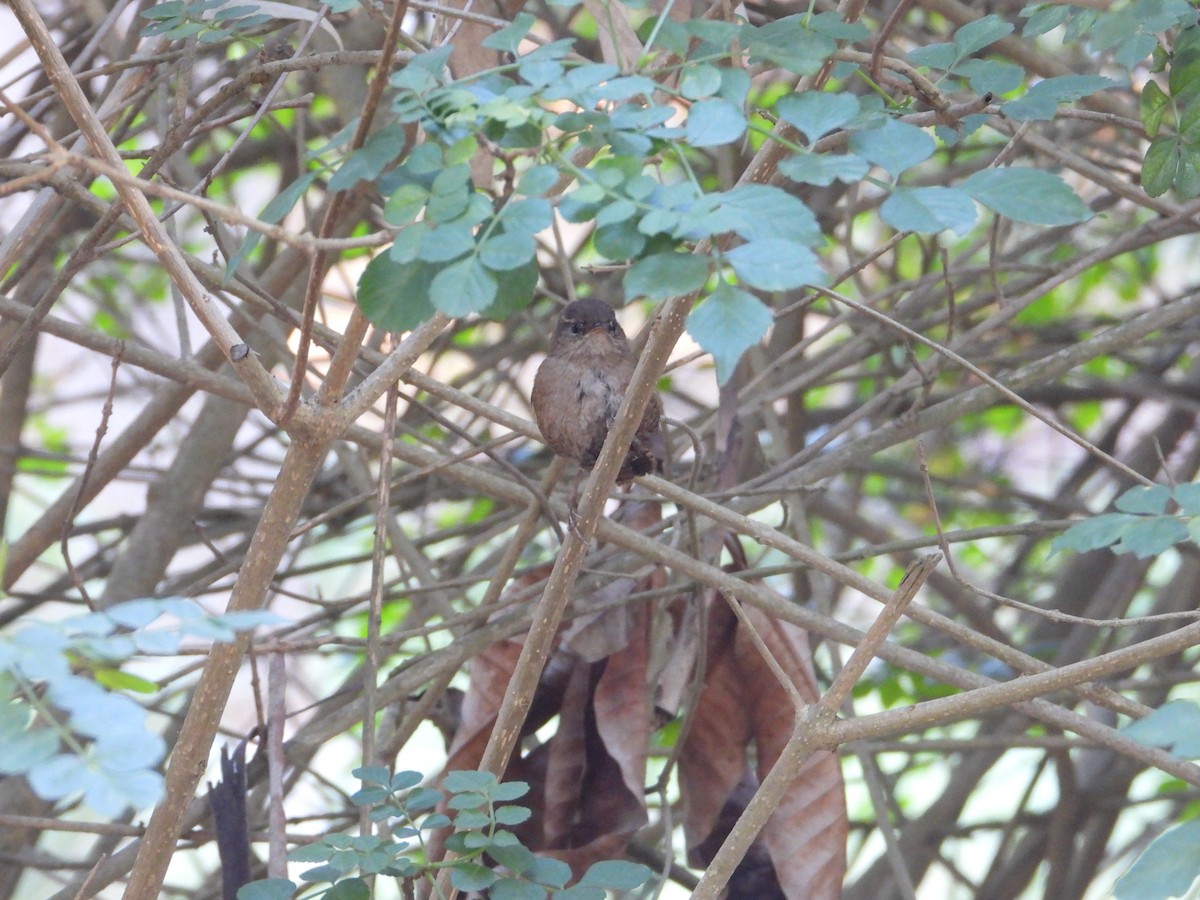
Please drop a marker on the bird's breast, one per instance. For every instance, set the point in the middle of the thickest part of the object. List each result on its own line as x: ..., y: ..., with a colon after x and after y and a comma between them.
x: 597, y: 395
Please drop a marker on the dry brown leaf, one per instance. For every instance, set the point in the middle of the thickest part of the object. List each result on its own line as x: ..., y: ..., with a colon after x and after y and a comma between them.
x: 805, y: 838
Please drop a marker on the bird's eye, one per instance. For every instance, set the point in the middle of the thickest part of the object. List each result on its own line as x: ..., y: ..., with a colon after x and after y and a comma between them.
x: 612, y: 327
x: 576, y: 328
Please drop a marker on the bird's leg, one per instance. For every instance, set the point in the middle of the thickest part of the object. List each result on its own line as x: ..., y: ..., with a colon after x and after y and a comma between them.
x: 573, y: 506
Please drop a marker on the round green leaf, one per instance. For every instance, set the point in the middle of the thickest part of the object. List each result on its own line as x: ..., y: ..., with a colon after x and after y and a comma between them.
x: 714, y: 122
x: 507, y: 251
x: 468, y: 876
x: 896, y: 146
x: 700, y: 81
x: 1167, y: 868
x: 929, y: 210
x: 537, y: 180
x: 445, y: 242
x: 513, y: 889
x: 773, y: 264
x: 726, y: 323
x: 816, y: 113
x: 395, y: 296
x: 665, y: 275
x: 463, y: 287
x: 822, y: 169
x: 267, y: 889
x: 616, y: 874
x: 404, y: 204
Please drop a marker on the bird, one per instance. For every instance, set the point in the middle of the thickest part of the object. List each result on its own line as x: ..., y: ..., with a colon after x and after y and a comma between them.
x: 579, y: 387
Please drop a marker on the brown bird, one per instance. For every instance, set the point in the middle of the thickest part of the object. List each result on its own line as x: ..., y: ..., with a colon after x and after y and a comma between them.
x: 580, y: 385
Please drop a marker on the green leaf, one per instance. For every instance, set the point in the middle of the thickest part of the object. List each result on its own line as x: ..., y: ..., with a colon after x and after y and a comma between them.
x: 405, y: 203
x: 774, y: 264
x: 514, y: 291
x: 714, y: 122
x: 463, y: 287
x: 116, y: 680
x: 991, y: 76
x: 935, y: 56
x: 514, y: 857
x: 395, y: 296
x: 22, y: 749
x: 1094, y: 533
x: 530, y: 215
x: 896, y: 146
x: 551, y: 872
x: 929, y: 210
x: 537, y: 180
x: 468, y: 876
x: 509, y: 790
x: 1174, y: 726
x: 581, y: 892
x: 461, y: 780
x: 509, y: 38
x: 1153, y: 104
x: 617, y: 875
x: 1188, y: 498
x: 467, y: 800
x: 788, y: 42
x: 1041, y: 101
x: 1167, y: 868
x: 267, y: 889
x: 700, y: 81
x: 470, y: 824
x: 272, y: 213
x: 449, y: 195
x: 315, y: 852
x: 817, y: 113
x: 321, y: 873
x: 446, y: 242
x: 1027, y: 195
x: 1187, y: 180
x: 726, y: 324
x: 759, y: 211
x: 1152, y: 499
x: 621, y: 240
x: 349, y: 889
x: 506, y: 251
x: 976, y: 35
x: 366, y: 163
x: 376, y: 775
x: 833, y: 25
x: 1161, y: 165
x: 665, y: 275
x: 822, y: 169
x: 512, y: 889
x: 233, y: 12
x: 1045, y: 18
x: 169, y: 9
x: 1148, y: 536
x: 512, y: 815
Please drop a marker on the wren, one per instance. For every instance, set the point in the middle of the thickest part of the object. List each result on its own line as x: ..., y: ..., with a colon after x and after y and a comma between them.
x: 579, y: 387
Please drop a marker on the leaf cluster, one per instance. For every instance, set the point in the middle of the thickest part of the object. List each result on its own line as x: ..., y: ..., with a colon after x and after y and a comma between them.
x: 208, y: 21
x: 485, y: 854
x: 1142, y: 526
x: 459, y: 251
x: 64, y: 724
